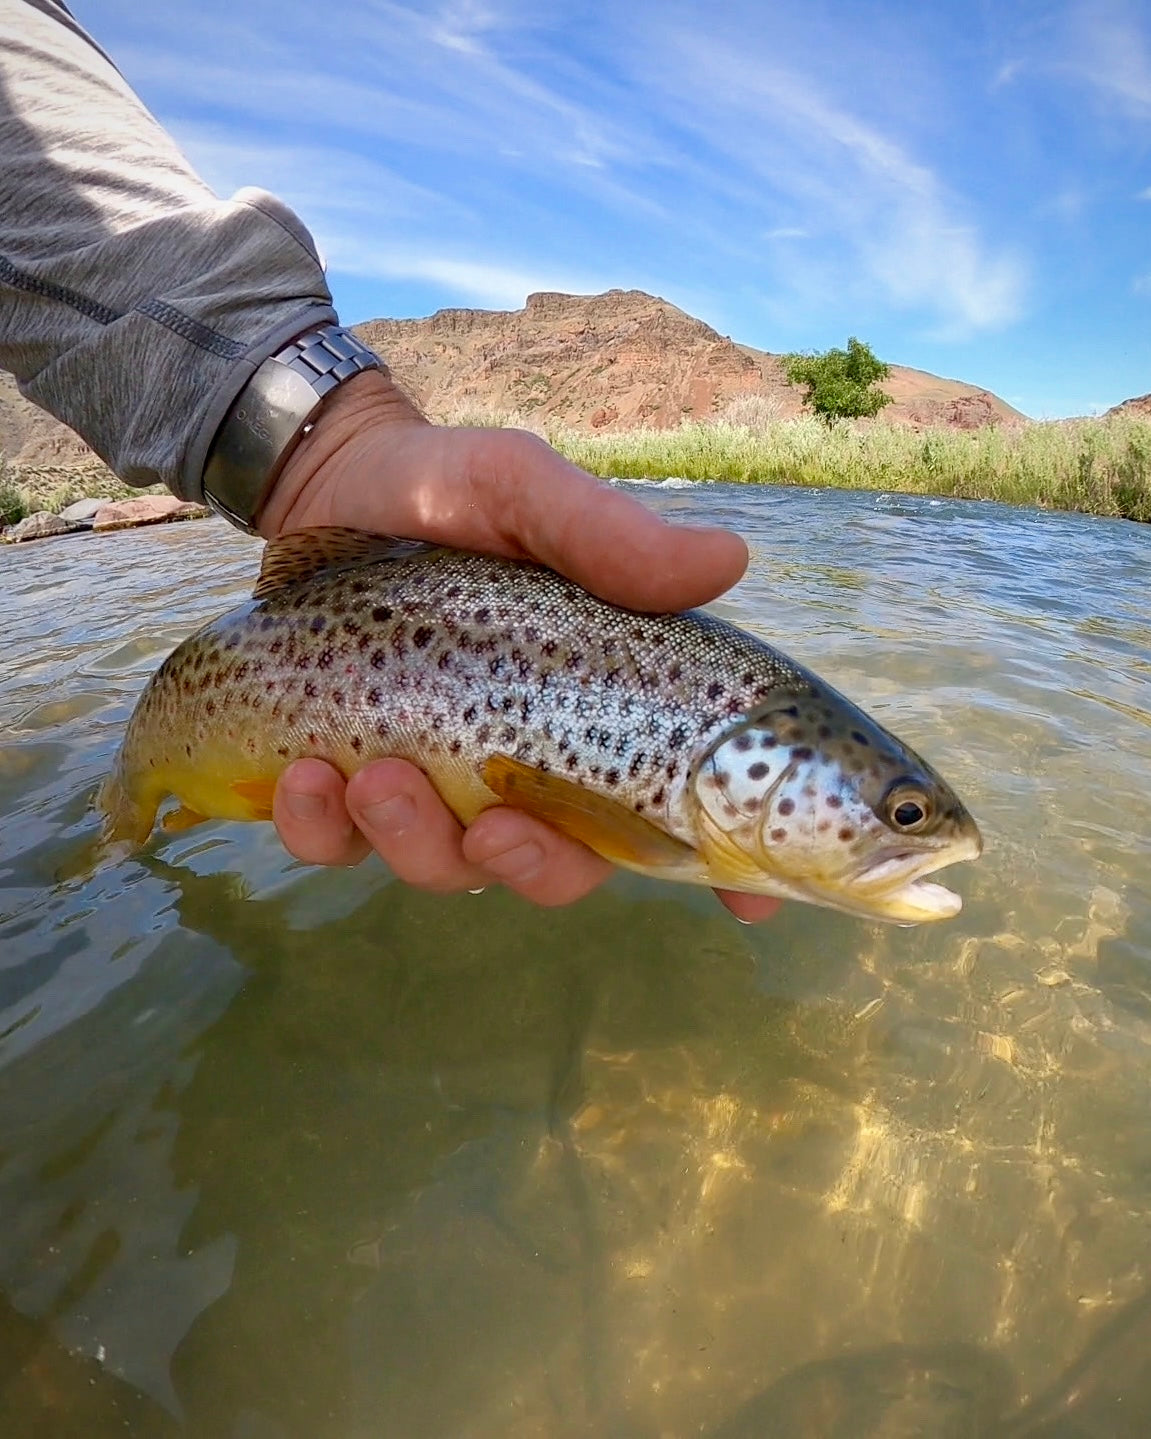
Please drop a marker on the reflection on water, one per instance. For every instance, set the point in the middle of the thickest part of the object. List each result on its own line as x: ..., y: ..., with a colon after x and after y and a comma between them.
x: 296, y: 1154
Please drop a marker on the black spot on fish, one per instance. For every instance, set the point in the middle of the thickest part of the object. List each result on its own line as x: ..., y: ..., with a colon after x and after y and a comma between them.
x: 382, y: 613
x: 779, y: 835
x: 860, y: 738
x: 659, y: 795
x: 714, y: 690
x: 375, y: 697
x: 357, y: 743
x: 325, y: 659
x: 787, y: 806
x: 758, y: 770
x: 483, y: 615
x: 768, y: 741
x: 470, y: 715
x: 319, y: 624
x: 338, y: 698
x: 846, y: 833
x: 572, y: 760
x: 743, y: 742
x: 423, y: 637
x: 802, y: 752
x: 678, y: 737
x: 455, y: 746
x: 310, y: 690
x: 834, y: 801
x: 379, y: 659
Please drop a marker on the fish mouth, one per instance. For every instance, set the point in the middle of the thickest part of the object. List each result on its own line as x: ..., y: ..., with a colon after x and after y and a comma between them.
x: 895, y: 886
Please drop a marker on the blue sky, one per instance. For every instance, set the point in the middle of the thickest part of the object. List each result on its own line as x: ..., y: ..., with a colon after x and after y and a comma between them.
x: 965, y: 186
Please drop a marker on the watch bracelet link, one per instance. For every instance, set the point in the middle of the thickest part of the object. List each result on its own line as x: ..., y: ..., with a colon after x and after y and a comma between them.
x: 272, y: 414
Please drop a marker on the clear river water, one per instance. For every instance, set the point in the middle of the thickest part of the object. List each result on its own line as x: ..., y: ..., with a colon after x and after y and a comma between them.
x: 289, y: 1153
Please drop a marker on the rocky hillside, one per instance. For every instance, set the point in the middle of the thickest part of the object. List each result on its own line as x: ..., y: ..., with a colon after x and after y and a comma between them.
x: 619, y: 360
x: 609, y: 361
x: 1138, y: 408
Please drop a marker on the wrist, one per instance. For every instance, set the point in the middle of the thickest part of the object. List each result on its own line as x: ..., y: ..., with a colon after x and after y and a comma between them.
x: 273, y: 413
x: 302, y: 492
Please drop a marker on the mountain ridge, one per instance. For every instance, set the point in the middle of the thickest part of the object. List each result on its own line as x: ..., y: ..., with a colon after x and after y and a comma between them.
x: 612, y: 361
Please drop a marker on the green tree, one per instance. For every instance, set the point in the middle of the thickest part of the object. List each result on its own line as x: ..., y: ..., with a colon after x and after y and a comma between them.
x: 840, y: 384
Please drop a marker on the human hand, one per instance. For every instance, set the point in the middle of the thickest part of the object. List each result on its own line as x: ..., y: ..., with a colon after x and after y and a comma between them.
x: 373, y: 463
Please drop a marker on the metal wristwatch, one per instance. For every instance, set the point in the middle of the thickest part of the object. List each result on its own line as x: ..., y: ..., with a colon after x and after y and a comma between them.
x: 272, y: 414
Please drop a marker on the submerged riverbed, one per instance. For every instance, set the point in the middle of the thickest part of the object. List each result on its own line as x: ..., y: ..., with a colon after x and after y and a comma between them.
x: 301, y: 1154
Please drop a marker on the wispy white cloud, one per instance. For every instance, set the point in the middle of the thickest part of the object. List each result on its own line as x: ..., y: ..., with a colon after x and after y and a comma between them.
x: 1108, y: 46
x: 884, y: 216
x: 363, y: 217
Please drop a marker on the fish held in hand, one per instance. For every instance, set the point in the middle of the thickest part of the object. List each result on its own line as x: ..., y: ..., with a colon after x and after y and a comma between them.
x: 676, y: 745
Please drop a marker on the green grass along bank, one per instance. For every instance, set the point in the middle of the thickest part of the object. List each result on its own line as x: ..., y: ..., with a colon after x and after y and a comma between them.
x: 1095, y: 466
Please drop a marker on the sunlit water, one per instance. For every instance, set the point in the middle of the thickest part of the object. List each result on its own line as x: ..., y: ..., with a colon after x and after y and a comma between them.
x: 301, y: 1154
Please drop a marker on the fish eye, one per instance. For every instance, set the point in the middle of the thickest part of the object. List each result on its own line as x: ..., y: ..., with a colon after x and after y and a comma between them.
x: 907, y: 808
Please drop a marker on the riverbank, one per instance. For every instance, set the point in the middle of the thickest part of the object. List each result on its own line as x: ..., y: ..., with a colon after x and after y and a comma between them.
x: 1096, y: 466
x: 25, y: 490
x: 1099, y: 466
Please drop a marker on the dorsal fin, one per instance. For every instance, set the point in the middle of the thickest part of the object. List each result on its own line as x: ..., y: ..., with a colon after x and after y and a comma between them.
x: 299, y: 555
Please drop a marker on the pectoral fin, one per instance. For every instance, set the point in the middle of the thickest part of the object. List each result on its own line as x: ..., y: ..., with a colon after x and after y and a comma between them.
x: 257, y: 796
x: 604, y: 825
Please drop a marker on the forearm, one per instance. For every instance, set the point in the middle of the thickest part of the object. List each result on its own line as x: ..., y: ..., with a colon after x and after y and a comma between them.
x: 134, y: 305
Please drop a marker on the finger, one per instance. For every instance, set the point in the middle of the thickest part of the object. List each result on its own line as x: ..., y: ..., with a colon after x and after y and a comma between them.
x: 410, y: 828
x: 537, y: 862
x: 750, y: 908
x: 311, y: 818
x: 600, y: 537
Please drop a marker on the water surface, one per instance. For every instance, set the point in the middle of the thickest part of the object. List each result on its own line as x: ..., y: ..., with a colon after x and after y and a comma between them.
x: 300, y: 1154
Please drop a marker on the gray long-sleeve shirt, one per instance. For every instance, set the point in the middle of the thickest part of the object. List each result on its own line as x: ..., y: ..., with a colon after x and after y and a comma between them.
x: 134, y: 304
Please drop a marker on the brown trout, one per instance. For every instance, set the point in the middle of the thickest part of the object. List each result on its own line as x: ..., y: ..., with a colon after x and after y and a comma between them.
x: 676, y: 745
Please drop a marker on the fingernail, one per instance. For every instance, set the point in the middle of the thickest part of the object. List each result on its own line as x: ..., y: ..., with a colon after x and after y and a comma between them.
x: 307, y: 806
x: 391, y: 815
x: 516, y: 865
